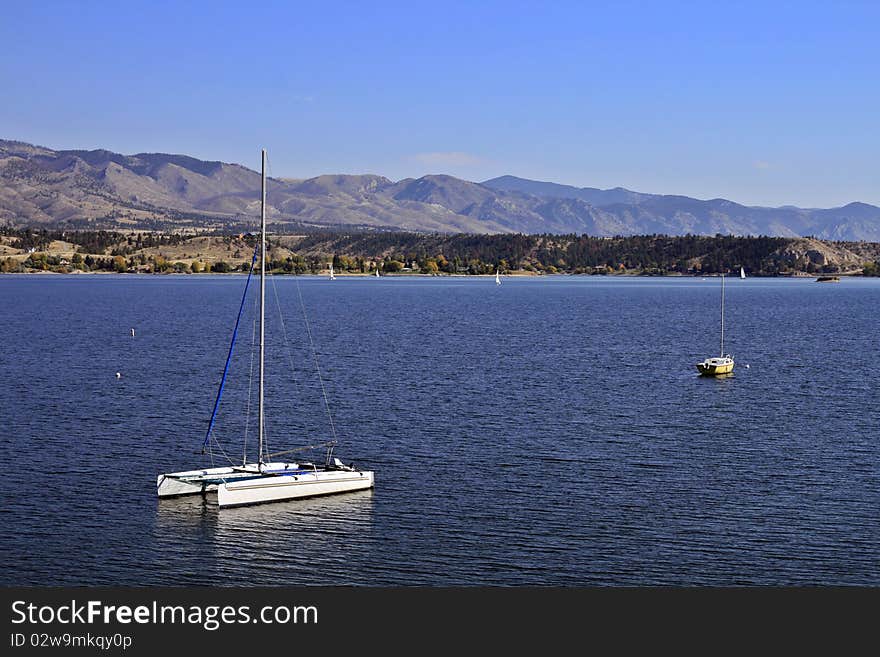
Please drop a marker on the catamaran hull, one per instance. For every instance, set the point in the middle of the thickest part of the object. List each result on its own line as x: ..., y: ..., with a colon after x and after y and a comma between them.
x: 192, y: 482
x: 169, y: 487
x: 276, y: 489
x: 199, y: 482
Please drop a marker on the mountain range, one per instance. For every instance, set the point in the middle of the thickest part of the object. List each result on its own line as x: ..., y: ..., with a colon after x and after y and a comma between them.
x: 101, y: 189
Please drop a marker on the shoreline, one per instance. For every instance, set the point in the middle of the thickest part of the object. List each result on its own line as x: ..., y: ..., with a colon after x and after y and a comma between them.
x: 517, y: 274
x: 456, y: 255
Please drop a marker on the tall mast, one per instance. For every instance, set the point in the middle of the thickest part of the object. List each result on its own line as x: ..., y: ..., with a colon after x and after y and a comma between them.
x: 722, y: 315
x: 262, y: 298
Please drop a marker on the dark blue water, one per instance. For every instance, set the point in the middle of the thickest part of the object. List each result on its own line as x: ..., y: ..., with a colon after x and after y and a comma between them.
x: 547, y: 431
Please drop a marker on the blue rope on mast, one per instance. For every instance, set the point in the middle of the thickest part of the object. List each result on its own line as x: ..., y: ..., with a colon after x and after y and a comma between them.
x: 231, y: 349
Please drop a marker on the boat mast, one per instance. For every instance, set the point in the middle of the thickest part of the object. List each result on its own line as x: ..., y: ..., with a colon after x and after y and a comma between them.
x: 722, y: 315
x: 262, y: 299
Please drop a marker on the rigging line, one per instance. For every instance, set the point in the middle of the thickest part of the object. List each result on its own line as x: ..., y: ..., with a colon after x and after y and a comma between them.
x: 222, y: 451
x: 304, y: 448
x: 296, y: 381
x: 315, y: 355
x: 229, y: 356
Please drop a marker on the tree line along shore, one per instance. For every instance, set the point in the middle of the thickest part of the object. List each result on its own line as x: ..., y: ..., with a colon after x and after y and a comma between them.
x: 31, y: 250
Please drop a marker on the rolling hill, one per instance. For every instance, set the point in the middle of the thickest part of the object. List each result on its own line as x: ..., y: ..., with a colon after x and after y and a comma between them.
x: 101, y: 189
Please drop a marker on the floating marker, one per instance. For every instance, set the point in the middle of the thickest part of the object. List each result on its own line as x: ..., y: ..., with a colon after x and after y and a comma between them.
x: 118, y: 375
x: 132, y: 332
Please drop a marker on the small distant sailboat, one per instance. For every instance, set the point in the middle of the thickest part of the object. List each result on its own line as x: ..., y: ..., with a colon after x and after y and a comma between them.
x: 332, y: 277
x: 377, y: 271
x: 722, y: 364
x: 742, y: 272
x: 497, y: 277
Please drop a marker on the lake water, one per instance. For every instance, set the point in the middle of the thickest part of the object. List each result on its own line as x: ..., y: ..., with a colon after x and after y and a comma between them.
x: 548, y: 431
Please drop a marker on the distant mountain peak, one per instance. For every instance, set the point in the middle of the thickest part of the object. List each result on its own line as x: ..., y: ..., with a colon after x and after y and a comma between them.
x: 356, y: 184
x: 592, y: 195
x: 858, y: 205
x: 102, y: 189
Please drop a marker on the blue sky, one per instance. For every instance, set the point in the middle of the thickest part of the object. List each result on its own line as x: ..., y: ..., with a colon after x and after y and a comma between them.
x: 766, y: 103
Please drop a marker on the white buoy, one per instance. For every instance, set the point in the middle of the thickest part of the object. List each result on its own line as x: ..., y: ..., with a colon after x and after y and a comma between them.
x: 119, y: 375
x: 747, y: 366
x: 132, y: 332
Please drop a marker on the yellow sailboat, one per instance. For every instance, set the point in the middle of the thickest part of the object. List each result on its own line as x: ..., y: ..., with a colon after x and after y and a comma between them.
x: 722, y: 364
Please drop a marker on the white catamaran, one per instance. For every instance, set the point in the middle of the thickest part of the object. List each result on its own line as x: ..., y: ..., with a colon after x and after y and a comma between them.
x: 264, y: 480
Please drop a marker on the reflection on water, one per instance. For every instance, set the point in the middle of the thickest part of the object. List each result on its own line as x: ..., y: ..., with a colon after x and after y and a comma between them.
x: 175, y: 513
x: 311, y: 541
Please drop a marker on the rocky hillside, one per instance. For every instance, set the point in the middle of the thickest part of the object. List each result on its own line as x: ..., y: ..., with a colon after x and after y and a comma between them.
x: 395, y: 252
x: 100, y: 189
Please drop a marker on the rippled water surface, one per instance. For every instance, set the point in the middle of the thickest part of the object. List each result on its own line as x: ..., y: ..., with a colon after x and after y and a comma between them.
x: 549, y: 431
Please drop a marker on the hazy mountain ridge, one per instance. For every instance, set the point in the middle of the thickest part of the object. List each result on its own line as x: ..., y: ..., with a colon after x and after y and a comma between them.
x: 102, y: 189
x: 592, y: 195
x: 639, y: 213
